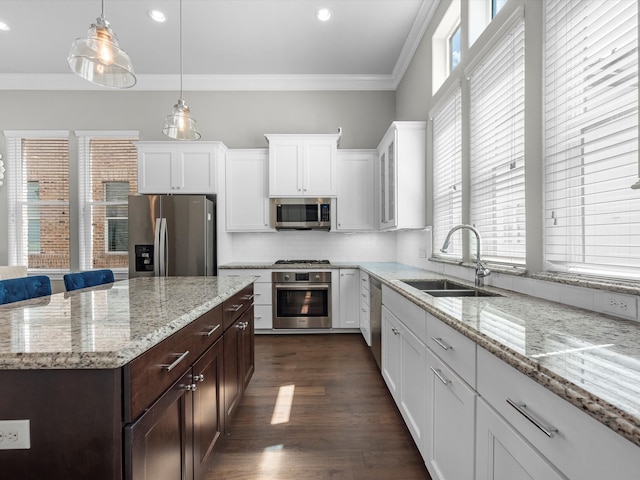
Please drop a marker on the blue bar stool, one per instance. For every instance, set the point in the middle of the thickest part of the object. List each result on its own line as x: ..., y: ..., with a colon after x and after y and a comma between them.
x: 90, y: 278
x: 24, y: 288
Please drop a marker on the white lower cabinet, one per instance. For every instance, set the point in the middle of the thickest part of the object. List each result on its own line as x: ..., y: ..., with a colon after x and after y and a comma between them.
x: 391, y: 345
x: 502, y: 453
x: 450, y: 409
x: 349, y: 298
x: 262, y: 294
x: 365, y: 308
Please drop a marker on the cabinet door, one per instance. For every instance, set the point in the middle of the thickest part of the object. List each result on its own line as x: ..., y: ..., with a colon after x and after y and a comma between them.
x: 349, y: 298
x: 285, y: 168
x: 247, y: 196
x: 391, y: 345
x: 196, y: 171
x: 158, y: 446
x: 413, y: 386
x: 391, y: 183
x: 355, y: 200
x: 319, y: 167
x: 451, y: 421
x: 233, y: 374
x: 247, y: 350
x: 502, y: 454
x: 155, y: 171
x: 208, y: 407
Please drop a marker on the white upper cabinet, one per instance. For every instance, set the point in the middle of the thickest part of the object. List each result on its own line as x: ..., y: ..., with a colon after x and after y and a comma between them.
x: 355, y: 202
x: 402, y: 176
x: 247, y: 201
x: 175, y: 167
x: 302, y: 165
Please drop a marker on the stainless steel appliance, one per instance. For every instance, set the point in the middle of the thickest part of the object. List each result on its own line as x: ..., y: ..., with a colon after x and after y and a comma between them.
x: 375, y: 317
x: 301, y: 213
x: 301, y: 299
x: 172, y: 235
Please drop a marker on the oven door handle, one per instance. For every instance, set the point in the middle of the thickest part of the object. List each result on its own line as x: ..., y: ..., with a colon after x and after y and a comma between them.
x: 298, y: 286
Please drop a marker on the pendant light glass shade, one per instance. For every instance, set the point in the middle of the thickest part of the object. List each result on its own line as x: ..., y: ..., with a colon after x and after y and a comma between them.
x: 179, y: 124
x: 98, y: 58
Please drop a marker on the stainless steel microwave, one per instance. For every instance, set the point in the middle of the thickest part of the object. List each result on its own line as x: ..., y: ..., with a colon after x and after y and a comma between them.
x: 301, y: 213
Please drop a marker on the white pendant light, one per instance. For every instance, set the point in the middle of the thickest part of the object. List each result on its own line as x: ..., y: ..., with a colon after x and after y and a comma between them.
x: 179, y: 125
x: 98, y: 58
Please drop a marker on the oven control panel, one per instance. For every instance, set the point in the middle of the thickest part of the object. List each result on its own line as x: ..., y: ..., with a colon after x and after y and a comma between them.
x: 301, y: 277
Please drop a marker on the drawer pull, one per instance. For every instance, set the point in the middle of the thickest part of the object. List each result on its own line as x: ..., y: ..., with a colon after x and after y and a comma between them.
x: 248, y: 297
x: 198, y: 378
x: 235, y: 308
x: 438, y: 374
x: 210, y: 332
x: 440, y: 342
x: 191, y: 387
x: 180, y: 358
x: 548, y: 430
x: 242, y: 325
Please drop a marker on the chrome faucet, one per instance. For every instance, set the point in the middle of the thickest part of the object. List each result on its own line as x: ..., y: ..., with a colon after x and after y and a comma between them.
x: 481, y: 269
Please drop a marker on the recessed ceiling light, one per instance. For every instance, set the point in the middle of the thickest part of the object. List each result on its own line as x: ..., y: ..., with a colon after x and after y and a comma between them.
x: 324, y: 14
x: 157, y: 16
x: 4, y: 26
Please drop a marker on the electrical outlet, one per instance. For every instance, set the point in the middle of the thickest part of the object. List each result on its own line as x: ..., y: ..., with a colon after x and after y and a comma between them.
x: 15, y: 435
x: 619, y: 305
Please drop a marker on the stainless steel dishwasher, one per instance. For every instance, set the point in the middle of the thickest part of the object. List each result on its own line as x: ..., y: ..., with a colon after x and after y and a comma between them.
x: 375, y: 289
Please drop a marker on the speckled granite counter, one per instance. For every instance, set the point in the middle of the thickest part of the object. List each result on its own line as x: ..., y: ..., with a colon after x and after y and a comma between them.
x: 589, y: 359
x: 105, y: 327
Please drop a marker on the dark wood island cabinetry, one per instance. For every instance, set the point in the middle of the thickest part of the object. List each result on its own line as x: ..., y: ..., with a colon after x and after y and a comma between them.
x: 158, y: 411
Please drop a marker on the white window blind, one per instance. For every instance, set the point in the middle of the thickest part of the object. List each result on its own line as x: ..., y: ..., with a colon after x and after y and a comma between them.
x: 447, y: 175
x: 592, y: 217
x: 496, y: 123
x: 107, y: 175
x: 38, y: 200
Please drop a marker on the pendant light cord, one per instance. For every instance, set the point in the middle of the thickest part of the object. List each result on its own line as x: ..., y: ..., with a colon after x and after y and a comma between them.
x: 102, y: 14
x: 180, y: 48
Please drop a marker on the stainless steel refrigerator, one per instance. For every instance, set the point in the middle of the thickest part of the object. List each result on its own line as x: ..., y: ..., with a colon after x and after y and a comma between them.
x: 172, y: 235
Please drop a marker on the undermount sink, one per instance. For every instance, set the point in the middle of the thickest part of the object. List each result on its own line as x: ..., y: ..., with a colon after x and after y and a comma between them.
x: 447, y: 288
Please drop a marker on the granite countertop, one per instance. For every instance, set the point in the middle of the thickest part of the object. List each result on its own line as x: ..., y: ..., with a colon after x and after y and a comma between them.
x: 589, y: 359
x: 107, y: 326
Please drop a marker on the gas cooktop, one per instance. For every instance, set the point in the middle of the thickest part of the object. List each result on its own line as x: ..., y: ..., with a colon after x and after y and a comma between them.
x: 311, y: 262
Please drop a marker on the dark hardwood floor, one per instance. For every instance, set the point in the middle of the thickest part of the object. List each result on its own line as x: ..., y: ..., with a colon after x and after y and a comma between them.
x: 317, y: 408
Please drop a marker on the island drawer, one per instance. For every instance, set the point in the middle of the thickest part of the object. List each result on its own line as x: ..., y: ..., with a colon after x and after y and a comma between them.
x: 234, y: 307
x: 148, y: 376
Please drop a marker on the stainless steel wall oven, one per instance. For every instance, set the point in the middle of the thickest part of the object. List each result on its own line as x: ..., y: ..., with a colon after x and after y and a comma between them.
x: 301, y: 299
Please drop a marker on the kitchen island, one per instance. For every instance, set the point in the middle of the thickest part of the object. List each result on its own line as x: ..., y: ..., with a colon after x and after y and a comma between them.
x: 134, y: 379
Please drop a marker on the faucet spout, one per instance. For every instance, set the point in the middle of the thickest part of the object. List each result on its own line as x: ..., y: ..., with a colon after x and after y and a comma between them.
x: 481, y: 269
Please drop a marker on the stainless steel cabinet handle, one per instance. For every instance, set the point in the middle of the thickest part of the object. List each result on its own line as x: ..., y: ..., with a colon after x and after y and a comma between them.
x: 181, y: 356
x: 210, y: 332
x: 438, y: 374
x: 395, y: 331
x: 242, y: 325
x: 235, y: 308
x: 440, y: 342
x: 248, y: 297
x: 198, y: 378
x: 191, y: 387
x: 548, y: 430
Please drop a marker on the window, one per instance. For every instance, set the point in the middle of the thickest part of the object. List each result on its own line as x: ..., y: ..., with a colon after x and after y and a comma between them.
x: 496, y: 5
x: 496, y: 123
x: 107, y: 175
x: 447, y: 174
x: 38, y: 198
x: 454, y: 49
x: 592, y: 220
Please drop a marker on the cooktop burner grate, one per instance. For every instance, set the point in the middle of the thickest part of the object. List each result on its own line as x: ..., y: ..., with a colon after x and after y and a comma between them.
x: 311, y: 262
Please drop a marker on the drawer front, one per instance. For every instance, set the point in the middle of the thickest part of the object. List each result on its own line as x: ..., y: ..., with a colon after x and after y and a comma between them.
x: 263, y: 293
x: 581, y: 448
x: 234, y: 307
x: 153, y: 372
x: 456, y: 350
x: 407, y: 312
x: 364, y: 281
x: 263, y: 317
x: 263, y: 274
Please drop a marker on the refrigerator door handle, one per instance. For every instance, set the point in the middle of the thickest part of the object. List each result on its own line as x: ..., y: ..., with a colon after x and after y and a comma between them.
x: 163, y: 247
x: 156, y: 247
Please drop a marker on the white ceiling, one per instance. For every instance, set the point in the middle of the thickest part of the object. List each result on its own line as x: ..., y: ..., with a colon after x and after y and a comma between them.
x: 227, y: 44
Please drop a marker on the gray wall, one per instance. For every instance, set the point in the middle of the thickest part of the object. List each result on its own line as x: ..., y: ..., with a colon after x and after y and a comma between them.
x: 238, y: 119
